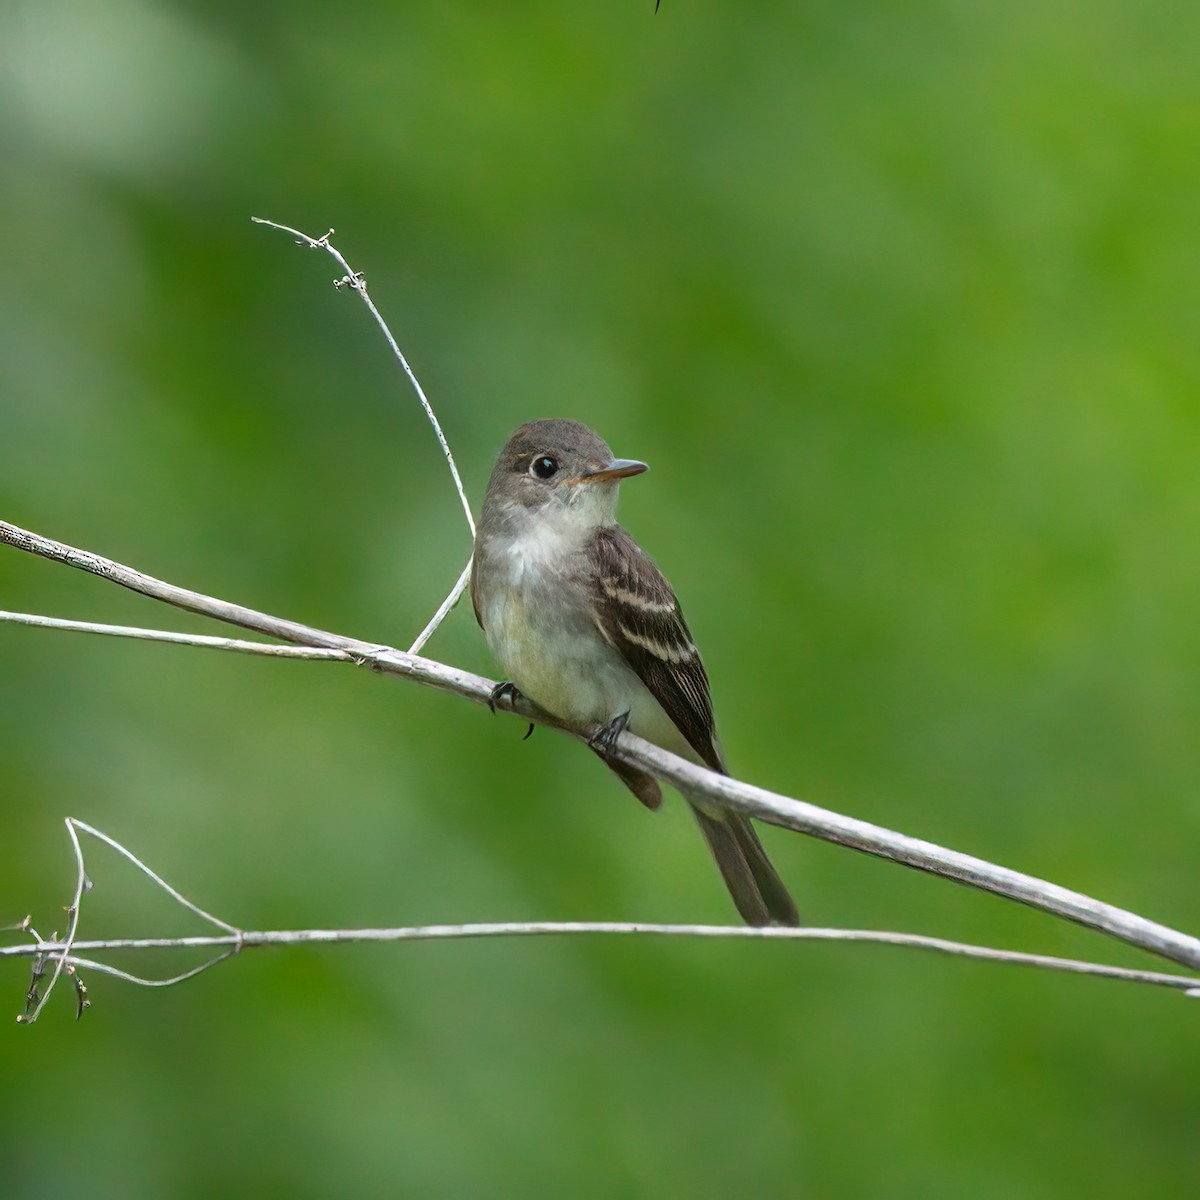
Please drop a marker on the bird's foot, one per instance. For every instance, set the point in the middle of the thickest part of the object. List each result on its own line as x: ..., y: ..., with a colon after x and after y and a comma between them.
x: 604, y: 740
x: 504, y: 691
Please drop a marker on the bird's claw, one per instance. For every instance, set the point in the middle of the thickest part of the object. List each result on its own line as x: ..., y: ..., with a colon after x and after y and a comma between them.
x: 503, y: 691
x: 604, y: 740
x: 510, y: 692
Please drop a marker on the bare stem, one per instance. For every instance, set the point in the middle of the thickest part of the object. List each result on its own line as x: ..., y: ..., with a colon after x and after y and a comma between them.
x: 35, y: 1001
x: 357, y: 281
x: 413, y: 933
x: 62, y: 954
x: 231, y: 944
x: 178, y: 639
x: 450, y: 601
x: 74, y: 824
x: 67, y: 955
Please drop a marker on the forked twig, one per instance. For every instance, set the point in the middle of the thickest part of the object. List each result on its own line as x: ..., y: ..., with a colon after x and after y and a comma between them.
x: 62, y: 953
x: 357, y: 281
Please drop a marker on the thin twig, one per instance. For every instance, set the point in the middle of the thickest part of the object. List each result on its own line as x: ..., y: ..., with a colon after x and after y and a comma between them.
x: 74, y: 823
x: 357, y: 281
x: 89, y: 964
x: 157, y: 589
x: 62, y: 953
x: 690, y: 779
x: 179, y: 639
x: 35, y: 1002
x: 67, y: 952
x: 335, y: 937
x: 450, y: 601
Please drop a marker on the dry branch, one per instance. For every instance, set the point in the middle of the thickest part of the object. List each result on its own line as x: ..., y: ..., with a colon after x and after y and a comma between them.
x: 68, y: 958
x: 669, y: 768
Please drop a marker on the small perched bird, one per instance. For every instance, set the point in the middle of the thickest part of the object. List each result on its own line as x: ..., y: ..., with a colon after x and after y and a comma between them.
x: 587, y: 627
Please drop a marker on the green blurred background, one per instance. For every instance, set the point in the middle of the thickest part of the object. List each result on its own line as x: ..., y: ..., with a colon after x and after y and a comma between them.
x: 899, y: 299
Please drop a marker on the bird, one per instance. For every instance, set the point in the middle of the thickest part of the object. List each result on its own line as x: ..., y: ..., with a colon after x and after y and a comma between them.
x: 587, y: 627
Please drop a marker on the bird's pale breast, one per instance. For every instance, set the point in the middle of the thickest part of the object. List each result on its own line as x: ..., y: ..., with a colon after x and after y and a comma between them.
x: 538, y: 620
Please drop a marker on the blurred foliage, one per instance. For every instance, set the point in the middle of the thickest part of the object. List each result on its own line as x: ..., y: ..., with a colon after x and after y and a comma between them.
x: 900, y: 302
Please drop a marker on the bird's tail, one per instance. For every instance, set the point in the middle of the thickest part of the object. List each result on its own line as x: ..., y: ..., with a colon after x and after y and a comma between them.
x: 757, y: 890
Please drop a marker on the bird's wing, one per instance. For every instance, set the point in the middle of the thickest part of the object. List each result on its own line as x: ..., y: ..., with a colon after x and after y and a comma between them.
x: 637, y: 613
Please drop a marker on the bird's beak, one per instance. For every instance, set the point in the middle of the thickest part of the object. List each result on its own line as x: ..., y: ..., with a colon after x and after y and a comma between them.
x: 619, y: 468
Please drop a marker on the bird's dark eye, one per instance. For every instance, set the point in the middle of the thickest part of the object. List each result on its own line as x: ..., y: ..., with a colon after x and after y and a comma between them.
x: 543, y: 467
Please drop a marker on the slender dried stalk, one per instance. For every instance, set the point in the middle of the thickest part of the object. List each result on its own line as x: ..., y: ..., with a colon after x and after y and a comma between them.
x: 357, y: 281
x: 68, y: 959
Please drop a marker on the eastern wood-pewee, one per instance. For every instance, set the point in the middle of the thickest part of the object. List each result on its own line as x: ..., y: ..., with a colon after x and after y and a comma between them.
x: 587, y: 627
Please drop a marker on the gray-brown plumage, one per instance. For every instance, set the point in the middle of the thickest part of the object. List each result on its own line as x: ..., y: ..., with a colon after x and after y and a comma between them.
x: 589, y: 628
